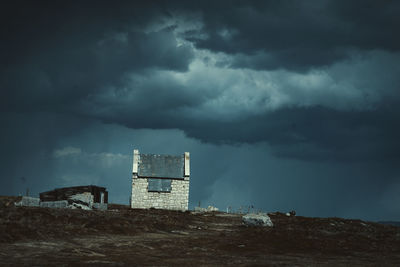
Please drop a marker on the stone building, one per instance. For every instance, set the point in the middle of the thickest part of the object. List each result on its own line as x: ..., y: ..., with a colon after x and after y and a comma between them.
x: 83, y: 197
x: 160, y: 181
x: 77, y: 197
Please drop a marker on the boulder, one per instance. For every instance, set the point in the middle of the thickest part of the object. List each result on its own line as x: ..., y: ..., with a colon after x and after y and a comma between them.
x: 212, y: 208
x: 257, y: 219
x: 208, y: 209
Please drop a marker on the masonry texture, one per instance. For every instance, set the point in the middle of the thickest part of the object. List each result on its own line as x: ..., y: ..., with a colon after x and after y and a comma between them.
x: 160, y: 181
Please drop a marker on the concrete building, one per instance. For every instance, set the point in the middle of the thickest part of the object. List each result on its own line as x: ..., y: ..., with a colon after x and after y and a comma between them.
x: 160, y: 181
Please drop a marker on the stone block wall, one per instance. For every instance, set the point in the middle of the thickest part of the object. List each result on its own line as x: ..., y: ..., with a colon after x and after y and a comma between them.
x: 176, y: 199
x: 54, y: 204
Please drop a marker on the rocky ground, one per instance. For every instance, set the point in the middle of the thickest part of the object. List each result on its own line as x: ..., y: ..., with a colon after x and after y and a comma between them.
x: 125, y: 237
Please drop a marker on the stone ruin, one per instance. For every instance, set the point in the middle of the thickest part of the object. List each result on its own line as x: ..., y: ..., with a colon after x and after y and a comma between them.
x: 78, y: 197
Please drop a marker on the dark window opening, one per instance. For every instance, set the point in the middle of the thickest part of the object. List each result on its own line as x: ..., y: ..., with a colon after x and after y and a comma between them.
x: 159, y: 185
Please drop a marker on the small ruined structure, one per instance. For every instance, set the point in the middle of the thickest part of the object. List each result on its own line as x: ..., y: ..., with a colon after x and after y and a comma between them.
x: 83, y: 197
x: 28, y: 202
x: 160, y: 181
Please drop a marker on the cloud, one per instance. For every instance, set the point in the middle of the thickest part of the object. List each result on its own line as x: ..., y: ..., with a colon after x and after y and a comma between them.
x: 58, y: 70
x: 299, y: 114
x: 147, y: 72
x: 296, y: 36
x: 67, y: 151
x: 76, y: 154
x: 235, y: 93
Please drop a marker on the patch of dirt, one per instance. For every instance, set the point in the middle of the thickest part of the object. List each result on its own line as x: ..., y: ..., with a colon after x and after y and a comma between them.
x: 123, y: 237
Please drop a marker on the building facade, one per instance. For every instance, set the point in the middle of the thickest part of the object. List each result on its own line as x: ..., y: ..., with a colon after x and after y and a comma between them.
x: 160, y: 181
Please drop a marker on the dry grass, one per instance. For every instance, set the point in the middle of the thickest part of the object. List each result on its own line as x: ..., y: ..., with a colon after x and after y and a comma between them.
x: 124, y: 237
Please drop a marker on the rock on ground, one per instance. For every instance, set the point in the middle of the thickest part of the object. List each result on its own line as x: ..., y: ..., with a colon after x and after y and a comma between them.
x: 259, y: 219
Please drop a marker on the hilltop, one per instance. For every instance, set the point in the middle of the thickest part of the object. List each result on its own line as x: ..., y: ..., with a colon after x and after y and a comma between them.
x: 122, y: 236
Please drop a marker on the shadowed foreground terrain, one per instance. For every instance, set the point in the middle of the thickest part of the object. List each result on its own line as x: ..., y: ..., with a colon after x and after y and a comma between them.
x: 122, y: 236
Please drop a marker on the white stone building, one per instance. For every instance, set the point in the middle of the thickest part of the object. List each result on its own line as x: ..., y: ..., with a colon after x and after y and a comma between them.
x: 160, y: 181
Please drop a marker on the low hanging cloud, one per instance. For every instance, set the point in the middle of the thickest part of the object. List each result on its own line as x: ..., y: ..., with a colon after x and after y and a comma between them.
x: 103, y: 159
x: 235, y: 93
x: 67, y: 151
x: 287, y: 109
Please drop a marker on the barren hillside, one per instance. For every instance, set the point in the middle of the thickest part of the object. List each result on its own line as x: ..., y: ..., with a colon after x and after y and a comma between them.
x: 124, y: 237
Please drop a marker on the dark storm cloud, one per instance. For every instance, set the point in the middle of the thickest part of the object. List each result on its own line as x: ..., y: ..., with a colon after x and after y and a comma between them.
x: 341, y: 124
x: 314, y: 133
x: 297, y: 35
x: 52, y: 56
x: 108, y: 63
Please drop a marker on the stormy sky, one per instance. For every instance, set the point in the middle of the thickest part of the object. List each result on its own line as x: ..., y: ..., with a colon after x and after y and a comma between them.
x: 283, y: 105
